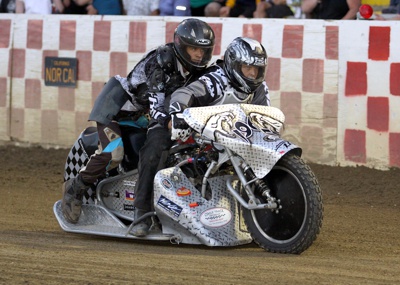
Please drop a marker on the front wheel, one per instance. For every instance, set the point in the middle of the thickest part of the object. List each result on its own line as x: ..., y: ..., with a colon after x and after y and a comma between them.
x: 296, y: 226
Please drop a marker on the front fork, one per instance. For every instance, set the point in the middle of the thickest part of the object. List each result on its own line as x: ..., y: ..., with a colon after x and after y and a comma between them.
x: 251, y: 185
x: 247, y: 178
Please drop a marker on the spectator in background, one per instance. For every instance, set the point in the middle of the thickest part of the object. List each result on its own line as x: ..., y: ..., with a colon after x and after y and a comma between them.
x: 394, y: 7
x: 197, y: 7
x: 239, y: 8
x: 331, y: 9
x: 383, y: 18
x: 101, y: 7
x: 295, y: 5
x: 7, y: 6
x: 174, y: 8
x: 273, y: 9
x: 141, y: 8
x: 37, y: 6
x: 70, y: 7
x: 212, y: 9
x: 390, y: 13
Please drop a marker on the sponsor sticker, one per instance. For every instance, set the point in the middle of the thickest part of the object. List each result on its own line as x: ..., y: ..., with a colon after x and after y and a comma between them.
x: 129, y: 183
x: 284, y: 144
x: 128, y: 207
x: 166, y: 184
x: 129, y: 195
x: 203, y: 41
x: 169, y: 206
x: 183, y: 191
x: 215, y: 217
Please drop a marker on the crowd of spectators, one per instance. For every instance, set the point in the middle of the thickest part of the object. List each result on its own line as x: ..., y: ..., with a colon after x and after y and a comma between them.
x: 194, y: 8
x: 311, y: 9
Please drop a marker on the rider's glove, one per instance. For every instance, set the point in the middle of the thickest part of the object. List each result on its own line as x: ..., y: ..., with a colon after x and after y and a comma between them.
x: 180, y: 129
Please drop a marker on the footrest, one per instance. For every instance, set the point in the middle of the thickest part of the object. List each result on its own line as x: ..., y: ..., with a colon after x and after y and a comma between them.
x: 97, y: 220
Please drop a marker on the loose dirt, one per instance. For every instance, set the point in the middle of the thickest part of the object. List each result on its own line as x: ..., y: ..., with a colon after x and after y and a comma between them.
x: 359, y: 242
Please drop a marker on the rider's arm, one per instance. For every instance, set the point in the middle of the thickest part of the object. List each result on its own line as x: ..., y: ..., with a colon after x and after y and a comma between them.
x: 185, y: 95
x: 156, y: 93
x: 201, y: 92
x: 159, y: 104
x: 157, y: 110
x: 261, y: 96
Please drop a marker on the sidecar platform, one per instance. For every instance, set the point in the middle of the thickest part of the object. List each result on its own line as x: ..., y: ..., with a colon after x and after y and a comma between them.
x: 97, y: 220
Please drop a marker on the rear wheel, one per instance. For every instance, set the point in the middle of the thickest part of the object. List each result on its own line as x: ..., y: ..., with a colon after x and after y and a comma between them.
x: 296, y: 226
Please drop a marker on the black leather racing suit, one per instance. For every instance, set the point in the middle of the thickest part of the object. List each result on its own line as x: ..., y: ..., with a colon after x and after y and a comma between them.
x: 118, y: 112
x: 158, y: 135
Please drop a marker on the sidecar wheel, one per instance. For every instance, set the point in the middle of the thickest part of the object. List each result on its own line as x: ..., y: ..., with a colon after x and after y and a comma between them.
x: 296, y: 226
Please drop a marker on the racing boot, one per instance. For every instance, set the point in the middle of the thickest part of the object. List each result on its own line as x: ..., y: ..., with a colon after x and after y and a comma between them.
x: 142, y: 228
x: 71, y: 205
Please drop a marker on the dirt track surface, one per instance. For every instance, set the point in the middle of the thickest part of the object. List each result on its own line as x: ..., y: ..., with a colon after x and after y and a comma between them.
x: 359, y: 242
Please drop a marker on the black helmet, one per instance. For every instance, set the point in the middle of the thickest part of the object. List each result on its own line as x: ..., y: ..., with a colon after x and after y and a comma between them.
x: 249, y: 52
x: 194, y: 33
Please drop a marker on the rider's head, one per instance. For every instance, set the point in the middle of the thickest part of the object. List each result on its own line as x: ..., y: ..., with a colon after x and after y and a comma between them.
x: 245, y: 63
x: 194, y: 42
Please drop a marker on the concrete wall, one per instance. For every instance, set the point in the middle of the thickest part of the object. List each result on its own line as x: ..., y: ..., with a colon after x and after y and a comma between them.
x: 338, y: 82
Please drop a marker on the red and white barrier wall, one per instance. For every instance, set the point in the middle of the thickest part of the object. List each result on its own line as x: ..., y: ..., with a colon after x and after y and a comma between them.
x: 338, y: 82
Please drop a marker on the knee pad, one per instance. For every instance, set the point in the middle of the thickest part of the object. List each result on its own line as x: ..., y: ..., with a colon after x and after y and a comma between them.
x: 117, y: 156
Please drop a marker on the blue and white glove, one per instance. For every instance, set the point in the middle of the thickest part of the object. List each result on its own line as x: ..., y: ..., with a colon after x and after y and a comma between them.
x: 180, y: 129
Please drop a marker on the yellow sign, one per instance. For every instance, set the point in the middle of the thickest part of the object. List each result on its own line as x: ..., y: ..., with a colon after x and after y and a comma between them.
x: 376, y: 2
x: 60, y: 71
